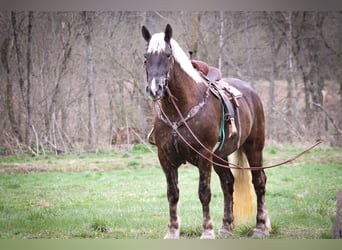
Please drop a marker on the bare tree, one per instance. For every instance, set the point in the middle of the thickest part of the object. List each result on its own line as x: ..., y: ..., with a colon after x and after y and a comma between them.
x: 250, y: 66
x: 64, y: 85
x: 88, y: 29
x: 273, y: 73
x: 29, y: 94
x: 20, y: 67
x: 221, y: 39
x: 195, y: 32
x: 5, y: 49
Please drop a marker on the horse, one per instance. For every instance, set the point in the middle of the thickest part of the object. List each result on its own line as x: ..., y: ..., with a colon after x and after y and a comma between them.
x: 178, y: 89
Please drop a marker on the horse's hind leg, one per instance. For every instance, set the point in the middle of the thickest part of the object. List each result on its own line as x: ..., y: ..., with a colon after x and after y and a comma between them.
x: 263, y: 225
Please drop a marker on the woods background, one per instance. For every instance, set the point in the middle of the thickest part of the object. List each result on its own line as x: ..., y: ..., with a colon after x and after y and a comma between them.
x: 70, y: 80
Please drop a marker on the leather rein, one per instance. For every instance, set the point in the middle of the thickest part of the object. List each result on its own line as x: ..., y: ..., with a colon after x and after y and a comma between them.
x: 229, y: 165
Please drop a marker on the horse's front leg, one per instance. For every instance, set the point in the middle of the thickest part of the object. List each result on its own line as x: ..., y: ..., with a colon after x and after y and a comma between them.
x: 204, y: 193
x: 227, y: 186
x: 171, y: 174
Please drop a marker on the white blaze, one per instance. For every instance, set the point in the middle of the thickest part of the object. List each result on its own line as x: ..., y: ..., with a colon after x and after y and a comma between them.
x: 153, y: 86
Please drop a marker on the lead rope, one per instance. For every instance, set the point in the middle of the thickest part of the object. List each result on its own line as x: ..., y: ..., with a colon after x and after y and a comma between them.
x: 229, y: 165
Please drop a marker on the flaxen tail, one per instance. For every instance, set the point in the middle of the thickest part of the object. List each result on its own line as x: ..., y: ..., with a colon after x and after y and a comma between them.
x: 244, y: 195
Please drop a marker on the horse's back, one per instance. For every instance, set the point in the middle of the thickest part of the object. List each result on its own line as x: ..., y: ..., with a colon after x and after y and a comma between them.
x: 243, y: 86
x: 251, y: 96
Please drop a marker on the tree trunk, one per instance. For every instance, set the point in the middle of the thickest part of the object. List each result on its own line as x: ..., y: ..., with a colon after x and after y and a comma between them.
x: 249, y: 49
x: 221, y: 38
x: 298, y: 48
x: 289, y: 76
x: 292, y: 68
x: 270, y: 120
x: 316, y: 87
x: 19, y: 53
x: 9, y: 89
x: 90, y: 82
x: 29, y: 124
x: 20, y: 66
x: 194, y: 37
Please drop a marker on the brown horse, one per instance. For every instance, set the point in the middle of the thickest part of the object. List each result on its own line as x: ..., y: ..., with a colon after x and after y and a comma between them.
x: 173, y: 82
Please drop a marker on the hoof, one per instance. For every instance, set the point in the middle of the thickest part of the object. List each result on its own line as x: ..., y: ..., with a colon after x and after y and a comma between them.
x: 224, y: 233
x: 258, y: 233
x: 174, y: 231
x: 208, y: 235
x: 172, y: 234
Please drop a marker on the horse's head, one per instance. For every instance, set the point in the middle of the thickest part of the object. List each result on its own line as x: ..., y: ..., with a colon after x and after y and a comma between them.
x: 158, y: 61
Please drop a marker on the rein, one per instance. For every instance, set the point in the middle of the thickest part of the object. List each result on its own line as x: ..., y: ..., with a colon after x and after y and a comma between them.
x: 229, y: 165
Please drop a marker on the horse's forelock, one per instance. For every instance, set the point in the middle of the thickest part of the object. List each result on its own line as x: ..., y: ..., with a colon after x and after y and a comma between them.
x: 157, y: 44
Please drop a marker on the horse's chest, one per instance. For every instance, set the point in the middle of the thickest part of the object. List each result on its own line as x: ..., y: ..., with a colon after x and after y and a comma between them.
x: 184, y: 142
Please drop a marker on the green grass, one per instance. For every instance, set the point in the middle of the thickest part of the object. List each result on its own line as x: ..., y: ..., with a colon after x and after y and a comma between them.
x: 123, y: 195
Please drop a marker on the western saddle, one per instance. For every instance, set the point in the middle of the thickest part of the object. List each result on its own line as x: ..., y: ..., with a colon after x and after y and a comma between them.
x: 223, y: 90
x: 212, y: 73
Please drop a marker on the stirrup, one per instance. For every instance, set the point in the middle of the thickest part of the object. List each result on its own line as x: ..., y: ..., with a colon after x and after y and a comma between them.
x: 232, y: 128
x: 150, y: 137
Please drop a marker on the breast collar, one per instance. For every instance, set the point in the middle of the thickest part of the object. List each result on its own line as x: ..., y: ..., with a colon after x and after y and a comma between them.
x: 188, y: 116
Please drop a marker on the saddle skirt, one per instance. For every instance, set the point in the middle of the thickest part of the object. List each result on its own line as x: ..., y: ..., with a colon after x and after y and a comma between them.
x: 224, y: 85
x: 228, y: 95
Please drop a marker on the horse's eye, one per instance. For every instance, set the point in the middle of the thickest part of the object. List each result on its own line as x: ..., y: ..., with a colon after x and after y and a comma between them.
x: 146, y: 54
x: 168, y: 55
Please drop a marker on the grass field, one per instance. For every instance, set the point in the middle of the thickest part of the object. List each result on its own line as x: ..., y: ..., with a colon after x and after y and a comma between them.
x: 123, y: 195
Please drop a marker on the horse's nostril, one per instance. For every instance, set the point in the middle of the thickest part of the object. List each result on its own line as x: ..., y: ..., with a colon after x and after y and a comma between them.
x: 154, y: 93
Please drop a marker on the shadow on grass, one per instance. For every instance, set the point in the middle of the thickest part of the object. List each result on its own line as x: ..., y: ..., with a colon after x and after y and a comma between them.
x: 247, y: 230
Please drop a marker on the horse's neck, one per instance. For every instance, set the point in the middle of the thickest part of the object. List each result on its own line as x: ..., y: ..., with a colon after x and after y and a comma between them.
x: 187, y: 91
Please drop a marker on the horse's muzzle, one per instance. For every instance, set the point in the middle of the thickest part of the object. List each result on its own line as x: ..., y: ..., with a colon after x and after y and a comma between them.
x: 155, y: 89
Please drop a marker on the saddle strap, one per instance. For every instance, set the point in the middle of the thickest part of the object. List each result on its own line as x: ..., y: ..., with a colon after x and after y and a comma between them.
x: 227, y: 103
x: 230, y: 110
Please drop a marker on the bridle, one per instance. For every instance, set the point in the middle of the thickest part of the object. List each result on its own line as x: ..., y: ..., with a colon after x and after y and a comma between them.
x: 167, y: 74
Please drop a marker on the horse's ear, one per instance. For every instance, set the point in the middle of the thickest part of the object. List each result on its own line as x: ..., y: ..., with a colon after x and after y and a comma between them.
x: 146, y: 34
x: 168, y: 33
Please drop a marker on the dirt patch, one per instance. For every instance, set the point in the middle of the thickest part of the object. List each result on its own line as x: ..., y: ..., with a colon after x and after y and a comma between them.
x: 20, y: 168
x: 41, y: 169
x: 61, y: 166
